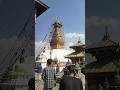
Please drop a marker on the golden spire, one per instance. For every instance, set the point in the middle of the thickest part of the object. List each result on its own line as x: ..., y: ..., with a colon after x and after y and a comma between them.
x: 106, y: 35
x: 57, y: 41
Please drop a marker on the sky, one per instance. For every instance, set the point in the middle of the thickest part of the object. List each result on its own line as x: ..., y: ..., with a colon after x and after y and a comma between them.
x: 71, y: 14
x: 102, y: 13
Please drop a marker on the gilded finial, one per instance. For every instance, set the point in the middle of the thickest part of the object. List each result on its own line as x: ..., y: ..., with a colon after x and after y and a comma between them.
x: 106, y: 34
x: 79, y: 40
x: 57, y: 23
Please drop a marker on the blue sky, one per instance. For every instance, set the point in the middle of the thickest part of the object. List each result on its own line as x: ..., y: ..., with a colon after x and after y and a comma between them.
x: 71, y: 13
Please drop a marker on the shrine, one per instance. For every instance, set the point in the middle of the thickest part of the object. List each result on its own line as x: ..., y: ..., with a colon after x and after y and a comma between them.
x: 78, y: 56
x: 103, y: 73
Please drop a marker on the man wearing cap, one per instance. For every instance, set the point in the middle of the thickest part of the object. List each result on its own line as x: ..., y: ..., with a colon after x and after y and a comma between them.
x: 48, y: 76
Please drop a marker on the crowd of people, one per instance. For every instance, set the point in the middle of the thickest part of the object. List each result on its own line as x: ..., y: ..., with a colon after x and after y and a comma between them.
x: 68, y: 81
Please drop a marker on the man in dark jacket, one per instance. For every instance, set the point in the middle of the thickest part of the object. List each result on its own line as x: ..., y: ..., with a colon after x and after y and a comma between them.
x: 70, y: 82
x: 31, y: 84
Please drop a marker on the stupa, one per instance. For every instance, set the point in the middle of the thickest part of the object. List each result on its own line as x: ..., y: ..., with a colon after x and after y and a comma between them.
x: 57, y: 52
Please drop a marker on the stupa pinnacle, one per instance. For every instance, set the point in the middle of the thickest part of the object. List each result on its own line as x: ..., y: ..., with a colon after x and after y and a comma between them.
x: 106, y: 35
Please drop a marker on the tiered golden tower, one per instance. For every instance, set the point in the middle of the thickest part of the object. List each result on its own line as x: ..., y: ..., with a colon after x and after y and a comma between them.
x: 57, y: 41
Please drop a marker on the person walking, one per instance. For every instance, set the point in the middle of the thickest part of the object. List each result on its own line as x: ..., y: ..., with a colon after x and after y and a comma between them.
x: 70, y: 82
x: 66, y: 72
x: 31, y: 84
x: 49, y: 76
x: 40, y: 68
x: 39, y: 71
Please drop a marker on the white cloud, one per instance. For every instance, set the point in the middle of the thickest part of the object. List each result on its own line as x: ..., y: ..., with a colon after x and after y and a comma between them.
x: 95, y: 27
x: 95, y: 21
x: 74, y: 37
x: 39, y: 45
x: 5, y: 45
x: 7, y: 41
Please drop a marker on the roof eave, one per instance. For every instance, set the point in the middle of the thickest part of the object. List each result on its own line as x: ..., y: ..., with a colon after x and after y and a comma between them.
x: 40, y: 7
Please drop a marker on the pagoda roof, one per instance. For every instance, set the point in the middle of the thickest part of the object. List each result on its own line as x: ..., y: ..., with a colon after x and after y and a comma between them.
x: 106, y: 64
x: 78, y: 44
x: 106, y: 43
x: 75, y: 55
x: 41, y: 7
x: 100, y: 67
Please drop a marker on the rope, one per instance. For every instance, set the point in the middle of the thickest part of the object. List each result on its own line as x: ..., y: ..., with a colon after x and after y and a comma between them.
x: 46, y: 39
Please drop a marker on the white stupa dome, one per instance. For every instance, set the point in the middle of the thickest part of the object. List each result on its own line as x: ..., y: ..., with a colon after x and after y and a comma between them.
x: 58, y: 54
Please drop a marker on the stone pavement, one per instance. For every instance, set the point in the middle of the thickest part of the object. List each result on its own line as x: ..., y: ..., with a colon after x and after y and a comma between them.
x: 39, y: 83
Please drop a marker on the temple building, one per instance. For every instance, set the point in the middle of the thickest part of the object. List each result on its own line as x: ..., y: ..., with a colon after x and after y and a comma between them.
x: 103, y: 73
x: 56, y: 50
x: 78, y: 58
